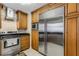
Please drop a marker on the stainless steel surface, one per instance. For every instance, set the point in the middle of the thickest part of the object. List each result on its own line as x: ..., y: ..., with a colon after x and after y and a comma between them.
x: 51, y: 32
x: 13, y: 32
x: 12, y: 49
x: 35, y: 26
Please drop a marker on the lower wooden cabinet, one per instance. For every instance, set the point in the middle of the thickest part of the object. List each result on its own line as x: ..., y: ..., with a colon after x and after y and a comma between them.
x: 78, y: 36
x: 24, y: 42
x: 35, y: 39
x: 72, y: 36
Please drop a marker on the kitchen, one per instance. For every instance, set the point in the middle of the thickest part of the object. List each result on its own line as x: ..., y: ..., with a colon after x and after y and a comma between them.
x: 13, y: 39
x: 39, y: 29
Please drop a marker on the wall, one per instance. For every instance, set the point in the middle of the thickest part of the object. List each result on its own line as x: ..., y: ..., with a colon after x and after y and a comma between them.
x: 29, y: 23
x: 29, y: 27
x: 7, y: 25
x: 11, y: 25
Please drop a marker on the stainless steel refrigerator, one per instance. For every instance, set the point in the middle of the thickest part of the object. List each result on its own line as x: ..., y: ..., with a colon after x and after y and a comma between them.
x: 51, y: 36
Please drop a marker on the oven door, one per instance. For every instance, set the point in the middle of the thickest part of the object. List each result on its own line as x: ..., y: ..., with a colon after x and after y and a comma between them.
x: 10, y: 45
x: 11, y: 42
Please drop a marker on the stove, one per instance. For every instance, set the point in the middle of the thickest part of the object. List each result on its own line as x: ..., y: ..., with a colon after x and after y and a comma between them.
x: 9, y: 43
x: 12, y: 32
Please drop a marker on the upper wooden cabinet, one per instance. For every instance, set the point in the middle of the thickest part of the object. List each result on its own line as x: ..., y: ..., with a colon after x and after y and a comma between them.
x: 24, y: 42
x: 21, y: 20
x: 35, y: 17
x: 72, y: 7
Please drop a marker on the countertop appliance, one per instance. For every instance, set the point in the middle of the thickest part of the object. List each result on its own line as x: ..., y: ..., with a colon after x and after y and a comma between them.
x: 35, y: 26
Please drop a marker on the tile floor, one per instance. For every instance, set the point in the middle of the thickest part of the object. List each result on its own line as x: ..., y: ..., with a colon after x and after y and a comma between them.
x: 52, y: 49
x: 31, y: 52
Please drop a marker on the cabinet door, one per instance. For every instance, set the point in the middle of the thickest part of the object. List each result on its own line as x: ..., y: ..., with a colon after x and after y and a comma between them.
x: 35, y: 17
x: 78, y: 36
x: 35, y: 39
x: 71, y: 42
x: 21, y: 20
x: 72, y: 7
x: 25, y: 42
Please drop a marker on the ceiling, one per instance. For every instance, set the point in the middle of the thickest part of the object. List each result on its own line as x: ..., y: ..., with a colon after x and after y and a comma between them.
x: 25, y: 7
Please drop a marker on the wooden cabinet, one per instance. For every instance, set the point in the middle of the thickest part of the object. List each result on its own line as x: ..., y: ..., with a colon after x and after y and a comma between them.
x: 24, y: 42
x: 78, y: 36
x: 35, y: 17
x: 21, y: 20
x: 65, y: 36
x: 72, y: 7
x: 71, y: 31
x: 35, y: 38
x: 72, y: 36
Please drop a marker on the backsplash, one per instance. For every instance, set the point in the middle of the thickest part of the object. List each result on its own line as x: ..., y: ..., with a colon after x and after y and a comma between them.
x: 12, y: 25
x: 7, y: 25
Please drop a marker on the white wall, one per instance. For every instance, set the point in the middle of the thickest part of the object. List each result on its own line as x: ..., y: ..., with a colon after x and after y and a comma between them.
x: 29, y: 30
x: 29, y: 23
x: 7, y: 25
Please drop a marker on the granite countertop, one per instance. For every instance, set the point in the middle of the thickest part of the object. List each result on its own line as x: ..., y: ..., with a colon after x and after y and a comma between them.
x: 51, y: 32
x: 14, y: 34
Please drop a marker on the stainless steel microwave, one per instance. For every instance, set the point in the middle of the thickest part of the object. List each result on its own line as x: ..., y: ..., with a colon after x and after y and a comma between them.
x: 35, y: 26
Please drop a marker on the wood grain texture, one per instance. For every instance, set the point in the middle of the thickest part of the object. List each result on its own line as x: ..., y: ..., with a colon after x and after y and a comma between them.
x: 35, y: 17
x: 78, y: 36
x: 21, y: 20
x: 72, y: 7
x: 65, y: 36
x: 24, y: 42
x: 35, y: 39
x: 71, y: 37
x: 65, y: 9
